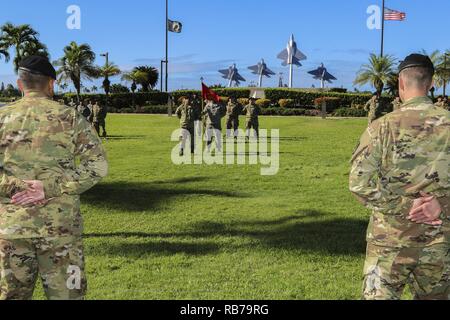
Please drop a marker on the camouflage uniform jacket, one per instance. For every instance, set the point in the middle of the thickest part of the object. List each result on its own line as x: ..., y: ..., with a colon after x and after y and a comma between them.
x: 98, y: 114
x: 252, y: 112
x: 187, y: 115
x: 214, y: 114
x: 401, y: 154
x: 44, y: 140
x: 232, y: 111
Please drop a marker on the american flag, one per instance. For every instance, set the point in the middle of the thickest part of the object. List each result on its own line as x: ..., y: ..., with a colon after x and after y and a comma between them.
x: 394, y: 15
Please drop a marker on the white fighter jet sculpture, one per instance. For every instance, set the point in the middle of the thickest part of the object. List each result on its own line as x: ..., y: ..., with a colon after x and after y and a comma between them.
x: 232, y: 74
x: 323, y: 75
x: 291, y: 56
x: 261, y: 70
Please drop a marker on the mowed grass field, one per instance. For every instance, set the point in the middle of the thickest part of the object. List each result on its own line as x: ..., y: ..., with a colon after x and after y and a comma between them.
x: 154, y: 230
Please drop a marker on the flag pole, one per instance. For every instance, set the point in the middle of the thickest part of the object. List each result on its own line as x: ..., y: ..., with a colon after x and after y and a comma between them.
x: 382, y: 30
x: 203, y: 101
x: 167, y: 45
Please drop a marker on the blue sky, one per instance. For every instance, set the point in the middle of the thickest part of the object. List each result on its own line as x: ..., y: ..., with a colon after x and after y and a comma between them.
x: 217, y: 33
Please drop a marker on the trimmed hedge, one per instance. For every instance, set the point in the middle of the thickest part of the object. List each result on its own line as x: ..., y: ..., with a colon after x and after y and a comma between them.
x: 305, y: 99
x: 349, y: 112
x: 121, y: 100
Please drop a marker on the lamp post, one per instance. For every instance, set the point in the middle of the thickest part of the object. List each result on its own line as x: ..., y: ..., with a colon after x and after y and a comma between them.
x: 106, y: 81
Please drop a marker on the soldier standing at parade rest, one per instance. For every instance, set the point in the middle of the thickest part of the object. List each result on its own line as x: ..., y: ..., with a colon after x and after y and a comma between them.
x: 252, y: 112
x: 99, y: 118
x: 400, y: 171
x: 103, y: 116
x: 232, y: 117
x: 396, y: 104
x: 187, y: 116
x: 197, y: 105
x: 214, y: 113
x: 373, y: 108
x: 91, y: 113
x: 80, y: 107
x: 49, y: 156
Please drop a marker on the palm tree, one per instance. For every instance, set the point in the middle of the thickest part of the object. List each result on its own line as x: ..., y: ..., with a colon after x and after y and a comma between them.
x: 436, y: 58
x: 392, y: 84
x: 77, y: 64
x: 135, y: 77
x: 24, y: 39
x: 94, y: 88
x: 4, y: 52
x: 107, y: 71
x: 377, y: 72
x: 148, y: 77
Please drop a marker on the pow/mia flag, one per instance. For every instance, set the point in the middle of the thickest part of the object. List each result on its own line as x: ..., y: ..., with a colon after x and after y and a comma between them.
x: 174, y: 26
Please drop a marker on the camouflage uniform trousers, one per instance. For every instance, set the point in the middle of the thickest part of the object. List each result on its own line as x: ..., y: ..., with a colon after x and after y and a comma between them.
x: 252, y: 124
x: 100, y: 124
x: 388, y: 270
x: 232, y: 123
x: 188, y: 133
x: 58, y: 261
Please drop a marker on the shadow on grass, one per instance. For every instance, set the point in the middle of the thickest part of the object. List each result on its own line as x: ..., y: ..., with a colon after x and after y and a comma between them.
x: 131, y: 137
x: 328, y: 236
x: 160, y: 248
x: 127, y: 196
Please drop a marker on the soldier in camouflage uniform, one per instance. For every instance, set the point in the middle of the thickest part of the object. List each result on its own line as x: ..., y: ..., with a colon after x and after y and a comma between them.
x: 49, y: 155
x: 214, y: 113
x: 373, y: 108
x: 197, y: 105
x: 99, y: 118
x: 187, y: 115
x: 445, y: 102
x: 232, y: 117
x: 396, y: 104
x: 252, y: 112
x: 400, y: 171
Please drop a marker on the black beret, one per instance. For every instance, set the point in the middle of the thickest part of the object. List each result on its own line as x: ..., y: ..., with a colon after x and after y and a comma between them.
x: 38, y: 65
x: 416, y: 60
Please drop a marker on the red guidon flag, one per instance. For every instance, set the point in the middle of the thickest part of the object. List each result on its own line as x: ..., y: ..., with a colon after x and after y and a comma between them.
x: 207, y: 93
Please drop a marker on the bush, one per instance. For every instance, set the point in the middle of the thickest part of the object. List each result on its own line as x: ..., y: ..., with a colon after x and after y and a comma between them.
x: 155, y: 110
x: 350, y: 112
x: 263, y: 103
x: 127, y: 110
x: 243, y: 101
x: 121, y: 100
x: 332, y: 103
x: 286, y: 103
x: 305, y: 99
x: 224, y: 100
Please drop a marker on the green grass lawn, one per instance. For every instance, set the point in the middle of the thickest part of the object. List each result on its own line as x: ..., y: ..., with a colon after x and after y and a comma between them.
x: 154, y: 230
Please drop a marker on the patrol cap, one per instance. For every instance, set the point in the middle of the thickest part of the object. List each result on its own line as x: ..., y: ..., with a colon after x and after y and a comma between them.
x: 416, y: 60
x: 38, y: 65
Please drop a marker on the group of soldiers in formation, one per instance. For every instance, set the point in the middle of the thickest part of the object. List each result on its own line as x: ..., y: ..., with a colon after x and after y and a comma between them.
x: 195, y: 119
x: 374, y: 109
x: 94, y: 113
